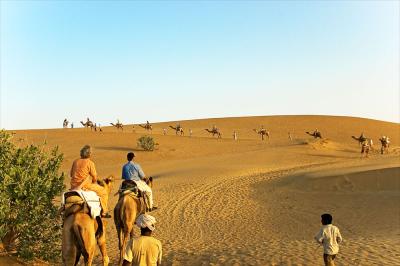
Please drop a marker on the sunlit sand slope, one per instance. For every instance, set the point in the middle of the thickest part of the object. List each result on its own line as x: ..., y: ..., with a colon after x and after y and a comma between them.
x: 254, y: 202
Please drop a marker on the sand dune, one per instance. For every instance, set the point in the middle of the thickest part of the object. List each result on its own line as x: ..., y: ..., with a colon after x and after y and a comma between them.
x: 253, y: 202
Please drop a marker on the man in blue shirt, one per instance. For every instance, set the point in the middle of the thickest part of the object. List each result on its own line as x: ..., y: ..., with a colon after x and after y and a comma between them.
x: 133, y: 171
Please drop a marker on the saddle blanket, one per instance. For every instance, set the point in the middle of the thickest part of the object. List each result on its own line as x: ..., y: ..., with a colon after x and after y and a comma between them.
x: 91, y: 198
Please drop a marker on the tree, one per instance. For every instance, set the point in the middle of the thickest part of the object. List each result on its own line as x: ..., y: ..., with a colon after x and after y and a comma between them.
x: 29, y: 182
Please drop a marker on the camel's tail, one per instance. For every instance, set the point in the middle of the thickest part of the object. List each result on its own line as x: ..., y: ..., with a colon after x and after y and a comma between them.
x: 78, y: 236
x: 354, y: 137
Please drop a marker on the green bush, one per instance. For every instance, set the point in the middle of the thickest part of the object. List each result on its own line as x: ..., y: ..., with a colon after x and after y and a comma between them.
x: 146, y: 143
x: 29, y: 182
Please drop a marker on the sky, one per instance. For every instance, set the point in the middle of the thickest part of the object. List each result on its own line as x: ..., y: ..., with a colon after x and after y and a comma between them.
x: 177, y: 60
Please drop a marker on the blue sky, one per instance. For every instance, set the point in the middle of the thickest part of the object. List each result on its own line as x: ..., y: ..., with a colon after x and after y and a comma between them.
x: 173, y: 60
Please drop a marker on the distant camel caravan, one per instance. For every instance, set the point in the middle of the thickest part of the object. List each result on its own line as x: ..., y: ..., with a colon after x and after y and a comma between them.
x: 263, y: 132
x: 385, y: 144
x: 214, y: 131
x: 129, y: 206
x: 88, y: 124
x: 316, y: 134
x: 81, y: 232
x: 147, y: 126
x: 360, y: 139
x: 178, y: 130
x: 118, y: 125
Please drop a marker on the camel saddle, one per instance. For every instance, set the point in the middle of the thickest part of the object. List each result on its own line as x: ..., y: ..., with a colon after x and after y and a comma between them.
x: 74, y: 201
x: 129, y: 187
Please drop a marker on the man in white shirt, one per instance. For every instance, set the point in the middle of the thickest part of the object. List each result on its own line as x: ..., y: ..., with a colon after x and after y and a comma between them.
x: 144, y: 250
x: 329, y: 236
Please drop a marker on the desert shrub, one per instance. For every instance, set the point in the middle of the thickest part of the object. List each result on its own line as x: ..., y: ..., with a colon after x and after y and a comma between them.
x: 146, y: 143
x: 29, y: 182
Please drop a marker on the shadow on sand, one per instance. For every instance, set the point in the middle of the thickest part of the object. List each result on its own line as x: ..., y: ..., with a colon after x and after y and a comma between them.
x: 113, y: 148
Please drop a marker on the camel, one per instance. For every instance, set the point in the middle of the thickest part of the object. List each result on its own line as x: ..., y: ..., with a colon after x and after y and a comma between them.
x: 316, y: 134
x: 385, y: 144
x: 360, y: 139
x: 147, y: 126
x: 214, y: 131
x: 263, y: 132
x: 88, y: 124
x: 178, y: 129
x: 118, y: 125
x: 126, y: 211
x: 81, y: 232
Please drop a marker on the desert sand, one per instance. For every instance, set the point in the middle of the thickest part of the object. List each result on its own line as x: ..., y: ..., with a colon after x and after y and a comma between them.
x: 254, y: 202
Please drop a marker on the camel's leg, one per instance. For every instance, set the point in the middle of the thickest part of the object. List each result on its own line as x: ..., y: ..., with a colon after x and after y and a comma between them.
x: 117, y: 225
x: 69, y: 254
x: 78, y: 256
x: 101, y: 242
x: 69, y: 248
x: 125, y: 238
x: 89, y: 241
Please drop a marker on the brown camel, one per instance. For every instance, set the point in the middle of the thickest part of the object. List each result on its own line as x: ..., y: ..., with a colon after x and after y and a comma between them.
x: 118, y: 125
x: 360, y: 139
x: 316, y: 134
x: 214, y: 131
x: 88, y: 124
x: 263, y: 132
x: 148, y: 127
x: 384, y: 144
x: 81, y: 231
x: 128, y: 208
x: 178, y: 129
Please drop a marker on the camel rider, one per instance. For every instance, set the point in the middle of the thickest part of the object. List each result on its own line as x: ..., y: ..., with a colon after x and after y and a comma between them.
x: 385, y: 139
x: 84, y: 176
x: 365, y: 147
x: 133, y: 171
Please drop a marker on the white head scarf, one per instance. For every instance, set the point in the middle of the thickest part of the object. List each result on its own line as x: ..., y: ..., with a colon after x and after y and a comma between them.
x: 146, y: 220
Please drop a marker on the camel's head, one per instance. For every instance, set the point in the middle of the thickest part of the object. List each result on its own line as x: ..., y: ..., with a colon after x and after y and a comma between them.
x: 106, y: 183
x: 149, y: 181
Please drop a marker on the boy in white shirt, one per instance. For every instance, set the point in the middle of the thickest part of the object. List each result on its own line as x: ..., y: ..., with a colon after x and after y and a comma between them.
x: 329, y: 236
